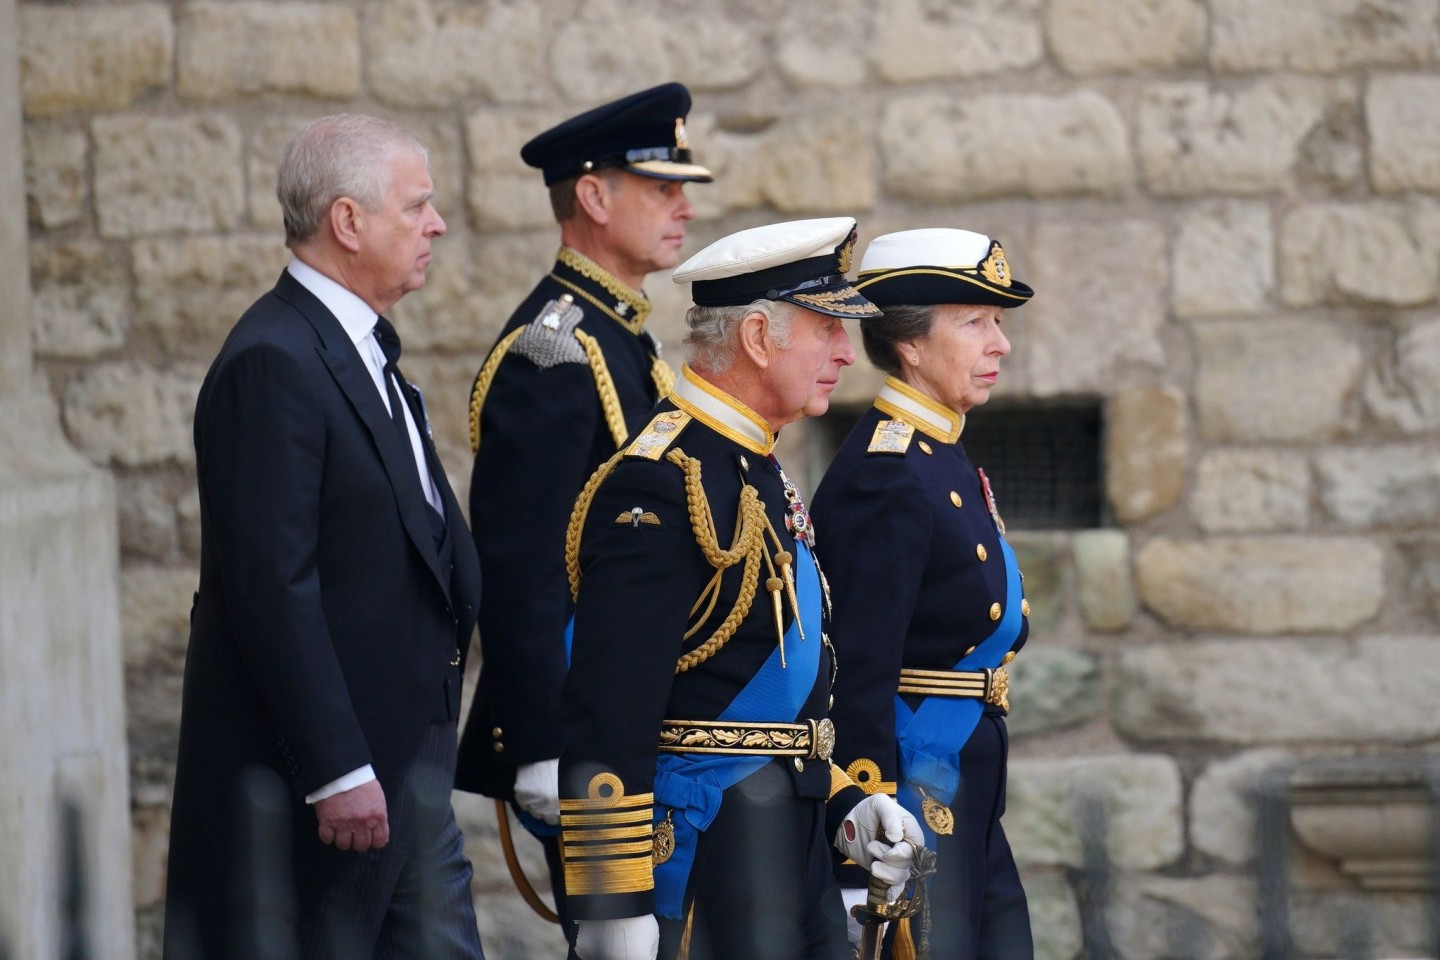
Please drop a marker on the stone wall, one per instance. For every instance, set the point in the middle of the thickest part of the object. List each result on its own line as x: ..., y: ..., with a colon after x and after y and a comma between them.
x: 1230, y: 210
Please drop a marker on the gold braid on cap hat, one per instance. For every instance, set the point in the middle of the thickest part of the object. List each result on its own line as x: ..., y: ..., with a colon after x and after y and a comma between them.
x: 748, y: 546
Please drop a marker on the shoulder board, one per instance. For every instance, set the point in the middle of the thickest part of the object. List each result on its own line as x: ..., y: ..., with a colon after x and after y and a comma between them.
x: 550, y: 338
x: 891, y: 436
x: 652, y: 442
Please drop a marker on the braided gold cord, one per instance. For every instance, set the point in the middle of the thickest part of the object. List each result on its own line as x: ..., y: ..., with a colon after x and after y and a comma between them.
x: 664, y: 377
x: 577, y: 521
x: 482, y: 385
x: 605, y: 386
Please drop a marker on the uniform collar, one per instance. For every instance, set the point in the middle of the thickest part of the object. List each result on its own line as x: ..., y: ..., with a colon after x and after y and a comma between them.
x: 721, y: 412
x: 904, y: 402
x: 625, y: 305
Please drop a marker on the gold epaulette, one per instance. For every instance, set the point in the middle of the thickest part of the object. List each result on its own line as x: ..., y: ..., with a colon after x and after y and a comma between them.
x: 607, y: 839
x: 891, y: 436
x: 652, y: 442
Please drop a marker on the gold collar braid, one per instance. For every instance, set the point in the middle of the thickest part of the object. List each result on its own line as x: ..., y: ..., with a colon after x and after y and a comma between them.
x: 638, y: 303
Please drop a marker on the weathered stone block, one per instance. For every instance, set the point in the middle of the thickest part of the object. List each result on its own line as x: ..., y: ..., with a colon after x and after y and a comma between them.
x: 1052, y: 688
x: 187, y: 514
x: 149, y: 848
x: 610, y: 49
x: 1396, y: 486
x: 1145, y: 451
x: 1041, y: 558
x: 80, y: 304
x: 1224, y: 261
x: 491, y: 51
x: 74, y: 59
x: 1399, y: 924
x: 1227, y: 690
x: 1102, y: 573
x: 1320, y: 36
x: 190, y: 294
x: 1263, y: 584
x: 1054, y: 916
x: 1090, y: 333
x: 1089, y: 37
x: 1422, y: 560
x: 155, y: 614
x: 1195, y: 139
x: 56, y: 181
x: 507, y: 924
x: 829, y: 166
x: 1365, y: 253
x: 131, y: 414
x: 923, y: 40
x: 1254, y: 384
x: 1214, y: 918
x: 1404, y: 392
x: 834, y: 57
x: 160, y: 174
x: 1142, y: 792
x: 1404, y: 132
x: 1251, y: 491
x: 505, y: 194
x: 147, y: 518
x: 1222, y: 804
x: 232, y: 50
x: 939, y: 148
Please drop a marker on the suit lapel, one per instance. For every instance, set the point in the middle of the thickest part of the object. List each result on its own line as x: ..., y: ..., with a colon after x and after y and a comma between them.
x: 343, y: 361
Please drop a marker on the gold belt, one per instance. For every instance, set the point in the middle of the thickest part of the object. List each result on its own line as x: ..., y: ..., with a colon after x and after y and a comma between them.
x: 992, y: 686
x: 809, y: 739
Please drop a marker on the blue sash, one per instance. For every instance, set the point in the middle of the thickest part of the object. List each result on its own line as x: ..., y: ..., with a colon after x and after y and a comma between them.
x: 930, y: 737
x: 691, y: 785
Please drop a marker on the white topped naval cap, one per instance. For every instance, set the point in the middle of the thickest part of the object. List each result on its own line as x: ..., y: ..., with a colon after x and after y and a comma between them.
x: 800, y: 261
x: 939, y: 265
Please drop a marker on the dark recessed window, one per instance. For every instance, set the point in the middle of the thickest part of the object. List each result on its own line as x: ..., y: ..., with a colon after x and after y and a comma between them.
x: 1043, y: 459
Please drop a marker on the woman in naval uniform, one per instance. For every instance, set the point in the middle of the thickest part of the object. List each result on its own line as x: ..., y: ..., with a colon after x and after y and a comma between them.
x: 928, y: 605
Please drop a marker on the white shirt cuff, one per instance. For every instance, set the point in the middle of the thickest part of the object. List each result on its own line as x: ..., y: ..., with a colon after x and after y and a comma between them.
x: 350, y: 781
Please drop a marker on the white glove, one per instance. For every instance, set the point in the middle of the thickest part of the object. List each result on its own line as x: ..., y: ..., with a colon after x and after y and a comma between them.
x: 881, y: 836
x: 537, y: 789
x: 633, y: 938
x: 851, y: 897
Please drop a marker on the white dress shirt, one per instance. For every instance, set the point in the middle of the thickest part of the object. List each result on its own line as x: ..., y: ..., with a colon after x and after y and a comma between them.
x: 358, y: 320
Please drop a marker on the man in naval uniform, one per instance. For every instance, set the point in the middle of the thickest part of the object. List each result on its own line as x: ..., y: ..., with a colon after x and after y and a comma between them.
x: 573, y: 373
x: 698, y: 802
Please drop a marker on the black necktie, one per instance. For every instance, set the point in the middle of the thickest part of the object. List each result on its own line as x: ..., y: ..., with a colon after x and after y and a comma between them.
x: 389, y: 342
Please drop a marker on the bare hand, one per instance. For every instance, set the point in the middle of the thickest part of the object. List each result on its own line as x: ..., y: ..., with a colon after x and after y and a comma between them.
x: 356, y: 819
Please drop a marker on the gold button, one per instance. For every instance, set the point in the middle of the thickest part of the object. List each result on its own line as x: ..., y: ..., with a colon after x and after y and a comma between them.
x: 499, y: 747
x: 925, y: 448
x: 1008, y: 657
x: 497, y: 733
x: 994, y: 611
x: 981, y: 552
x: 1025, y: 608
x: 955, y: 499
x: 799, y: 765
x: 970, y: 651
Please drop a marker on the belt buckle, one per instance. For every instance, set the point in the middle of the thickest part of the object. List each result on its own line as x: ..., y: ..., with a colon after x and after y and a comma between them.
x: 997, y: 688
x: 822, y: 738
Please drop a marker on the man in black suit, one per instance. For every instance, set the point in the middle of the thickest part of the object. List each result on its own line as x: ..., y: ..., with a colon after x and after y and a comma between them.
x: 338, y: 590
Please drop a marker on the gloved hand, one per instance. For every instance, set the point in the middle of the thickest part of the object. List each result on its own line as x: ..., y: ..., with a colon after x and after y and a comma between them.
x: 633, y: 938
x: 881, y: 836
x: 537, y: 789
x: 852, y: 896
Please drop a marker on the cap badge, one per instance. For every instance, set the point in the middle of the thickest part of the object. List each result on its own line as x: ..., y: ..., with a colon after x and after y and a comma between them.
x: 994, y: 268
x: 847, y: 252
x: 682, y: 141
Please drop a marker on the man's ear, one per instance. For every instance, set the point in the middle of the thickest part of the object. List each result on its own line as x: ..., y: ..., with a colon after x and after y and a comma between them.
x: 347, y: 223
x: 592, y: 195
x: 754, y: 338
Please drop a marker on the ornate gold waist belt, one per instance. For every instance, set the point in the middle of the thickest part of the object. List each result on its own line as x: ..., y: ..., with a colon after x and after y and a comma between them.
x: 809, y: 739
x: 992, y: 686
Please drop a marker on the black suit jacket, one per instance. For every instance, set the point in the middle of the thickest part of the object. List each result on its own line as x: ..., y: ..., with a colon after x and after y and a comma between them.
x: 326, y: 631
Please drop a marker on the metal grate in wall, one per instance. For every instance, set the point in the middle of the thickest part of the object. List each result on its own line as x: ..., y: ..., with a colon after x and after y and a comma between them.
x: 1043, y: 460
